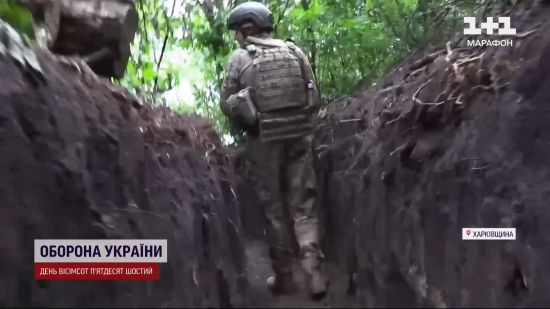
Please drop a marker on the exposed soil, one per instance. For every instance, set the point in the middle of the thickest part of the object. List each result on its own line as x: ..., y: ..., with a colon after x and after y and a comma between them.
x: 259, y: 269
x: 259, y: 265
x: 460, y: 141
x: 452, y: 139
x: 80, y: 159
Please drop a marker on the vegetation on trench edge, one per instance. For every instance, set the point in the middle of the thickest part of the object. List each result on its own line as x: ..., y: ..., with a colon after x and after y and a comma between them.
x: 181, y: 46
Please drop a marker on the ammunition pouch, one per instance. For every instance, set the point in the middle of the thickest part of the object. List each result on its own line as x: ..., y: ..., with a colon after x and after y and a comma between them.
x: 285, y: 125
x: 243, y: 109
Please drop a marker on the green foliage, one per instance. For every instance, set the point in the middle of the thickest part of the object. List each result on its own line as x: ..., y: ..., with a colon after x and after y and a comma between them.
x: 181, y: 47
x: 17, y: 16
x: 346, y: 41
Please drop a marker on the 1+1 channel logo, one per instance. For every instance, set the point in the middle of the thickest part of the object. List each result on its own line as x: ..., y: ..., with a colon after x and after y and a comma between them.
x: 490, y: 26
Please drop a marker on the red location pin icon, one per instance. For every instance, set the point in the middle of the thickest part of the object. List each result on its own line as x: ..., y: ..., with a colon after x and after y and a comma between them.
x: 468, y: 232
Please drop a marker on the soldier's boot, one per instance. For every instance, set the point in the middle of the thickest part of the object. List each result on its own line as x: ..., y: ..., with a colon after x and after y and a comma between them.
x: 316, y: 281
x: 352, y: 284
x: 282, y: 284
x: 307, y: 234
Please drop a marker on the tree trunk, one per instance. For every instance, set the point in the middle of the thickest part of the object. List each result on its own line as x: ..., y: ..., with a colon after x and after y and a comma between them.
x: 100, y: 31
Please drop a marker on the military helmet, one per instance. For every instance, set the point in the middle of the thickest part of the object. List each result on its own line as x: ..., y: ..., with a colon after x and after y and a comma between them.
x: 254, y: 12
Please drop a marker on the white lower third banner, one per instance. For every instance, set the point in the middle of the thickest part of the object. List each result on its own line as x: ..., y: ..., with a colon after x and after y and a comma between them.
x: 488, y: 233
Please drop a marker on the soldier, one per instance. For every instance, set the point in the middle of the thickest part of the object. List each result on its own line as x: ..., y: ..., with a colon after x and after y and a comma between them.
x: 269, y: 92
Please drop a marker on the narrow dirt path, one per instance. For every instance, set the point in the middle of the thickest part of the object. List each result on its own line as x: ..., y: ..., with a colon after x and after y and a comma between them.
x: 259, y: 269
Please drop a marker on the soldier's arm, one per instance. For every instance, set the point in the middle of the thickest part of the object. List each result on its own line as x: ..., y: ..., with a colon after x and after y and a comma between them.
x: 231, y: 84
x: 308, y: 74
x: 308, y: 71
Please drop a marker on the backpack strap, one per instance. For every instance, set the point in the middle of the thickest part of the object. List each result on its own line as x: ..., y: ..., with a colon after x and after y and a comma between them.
x: 292, y: 46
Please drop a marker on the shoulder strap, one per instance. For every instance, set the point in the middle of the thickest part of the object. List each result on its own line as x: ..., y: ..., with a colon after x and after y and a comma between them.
x: 290, y: 44
x: 251, y: 48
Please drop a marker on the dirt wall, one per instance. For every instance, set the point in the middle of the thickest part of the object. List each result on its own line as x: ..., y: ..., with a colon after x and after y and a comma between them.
x: 80, y: 159
x: 460, y: 142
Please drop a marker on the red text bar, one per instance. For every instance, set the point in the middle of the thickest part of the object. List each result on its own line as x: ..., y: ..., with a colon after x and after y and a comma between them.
x: 96, y: 271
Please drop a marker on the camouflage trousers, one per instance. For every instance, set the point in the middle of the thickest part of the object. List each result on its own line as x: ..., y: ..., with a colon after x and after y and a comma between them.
x: 283, y: 176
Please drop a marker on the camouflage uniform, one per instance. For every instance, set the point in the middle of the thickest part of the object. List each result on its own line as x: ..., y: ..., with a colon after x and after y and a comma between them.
x: 282, y: 173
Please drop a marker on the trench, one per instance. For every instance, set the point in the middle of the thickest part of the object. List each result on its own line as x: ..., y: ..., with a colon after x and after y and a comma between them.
x: 398, y: 180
